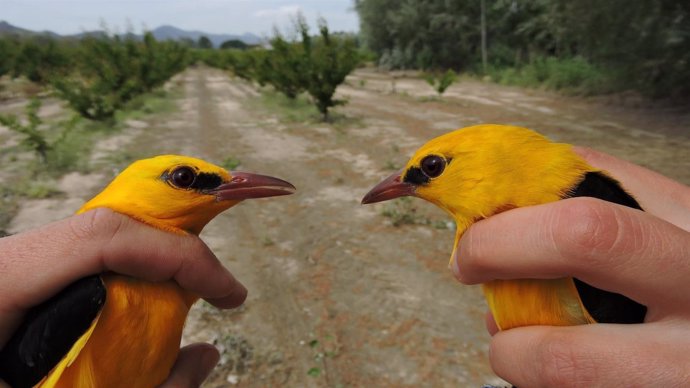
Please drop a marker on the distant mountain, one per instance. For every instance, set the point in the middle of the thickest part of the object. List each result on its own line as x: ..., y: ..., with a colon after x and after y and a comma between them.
x: 174, y: 33
x: 161, y: 33
x: 8, y: 29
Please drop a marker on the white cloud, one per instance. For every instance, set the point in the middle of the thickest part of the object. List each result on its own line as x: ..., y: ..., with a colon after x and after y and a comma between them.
x: 280, y: 12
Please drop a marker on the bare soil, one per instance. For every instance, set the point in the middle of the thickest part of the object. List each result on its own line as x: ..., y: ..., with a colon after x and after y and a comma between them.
x: 339, y: 296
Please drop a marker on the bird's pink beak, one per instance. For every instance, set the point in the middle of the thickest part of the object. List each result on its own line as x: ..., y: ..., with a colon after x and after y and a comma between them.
x: 244, y: 185
x: 390, y: 188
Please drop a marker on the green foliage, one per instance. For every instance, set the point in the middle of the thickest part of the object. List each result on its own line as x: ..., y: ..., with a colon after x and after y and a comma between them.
x: 231, y: 163
x: 572, y: 75
x: 441, y: 82
x: 314, y: 372
x: 204, y: 43
x: 47, y: 149
x: 298, y: 110
x: 39, y: 58
x: 111, y: 70
x: 329, y: 60
x: 401, y: 212
x: 8, y: 51
x: 316, y: 65
x: 36, y: 189
x: 643, y: 45
x: 33, y: 138
x: 234, y: 44
x: 284, y: 67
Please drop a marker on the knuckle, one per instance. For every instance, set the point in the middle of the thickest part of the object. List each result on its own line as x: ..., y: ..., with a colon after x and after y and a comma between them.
x: 92, y: 224
x: 564, y: 364
x: 468, y: 256
x: 586, y: 228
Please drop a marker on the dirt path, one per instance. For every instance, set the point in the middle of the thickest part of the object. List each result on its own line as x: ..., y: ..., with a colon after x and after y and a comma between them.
x: 338, y: 296
x: 334, y: 300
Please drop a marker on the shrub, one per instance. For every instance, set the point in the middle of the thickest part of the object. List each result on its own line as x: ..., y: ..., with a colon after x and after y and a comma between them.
x: 8, y: 50
x: 329, y: 60
x: 573, y: 75
x: 34, y: 138
x: 284, y: 67
x: 40, y: 59
x: 441, y: 82
x: 113, y: 70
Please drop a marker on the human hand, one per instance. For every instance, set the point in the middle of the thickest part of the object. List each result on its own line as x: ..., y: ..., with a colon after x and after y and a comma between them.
x: 643, y: 255
x: 36, y: 264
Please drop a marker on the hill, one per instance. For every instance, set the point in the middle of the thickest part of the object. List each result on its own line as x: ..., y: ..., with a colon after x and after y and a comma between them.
x: 161, y: 33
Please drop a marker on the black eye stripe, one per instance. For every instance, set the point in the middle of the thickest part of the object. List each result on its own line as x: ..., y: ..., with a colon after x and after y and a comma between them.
x: 206, y: 181
x: 415, y: 176
x: 201, y: 182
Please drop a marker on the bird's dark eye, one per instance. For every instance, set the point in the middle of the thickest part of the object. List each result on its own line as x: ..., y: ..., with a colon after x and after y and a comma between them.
x: 433, y: 165
x: 182, y: 177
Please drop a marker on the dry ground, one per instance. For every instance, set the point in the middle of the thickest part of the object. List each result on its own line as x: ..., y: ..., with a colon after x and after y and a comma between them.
x: 338, y: 296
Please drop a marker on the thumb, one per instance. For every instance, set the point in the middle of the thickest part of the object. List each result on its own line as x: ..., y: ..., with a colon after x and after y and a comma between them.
x: 194, y: 363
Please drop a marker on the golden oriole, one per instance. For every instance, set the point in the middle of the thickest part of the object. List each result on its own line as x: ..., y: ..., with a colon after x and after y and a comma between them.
x: 476, y: 172
x: 111, y: 330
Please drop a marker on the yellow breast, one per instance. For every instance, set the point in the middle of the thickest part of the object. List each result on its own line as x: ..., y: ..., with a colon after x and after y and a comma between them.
x: 136, y: 339
x: 553, y: 302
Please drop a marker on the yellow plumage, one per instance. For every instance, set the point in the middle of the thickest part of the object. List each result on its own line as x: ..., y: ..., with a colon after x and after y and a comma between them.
x: 477, y: 172
x: 135, y: 340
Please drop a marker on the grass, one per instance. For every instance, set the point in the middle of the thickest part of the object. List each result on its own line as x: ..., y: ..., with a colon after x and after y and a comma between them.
x: 403, y: 211
x: 36, y: 190
x: 571, y: 76
x: 157, y: 101
x: 231, y: 163
x: 298, y: 110
x: 71, y: 143
x: 328, y: 347
x: 301, y: 110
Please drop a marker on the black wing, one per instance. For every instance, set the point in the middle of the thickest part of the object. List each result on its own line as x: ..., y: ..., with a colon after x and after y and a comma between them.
x: 49, y: 331
x: 604, y: 306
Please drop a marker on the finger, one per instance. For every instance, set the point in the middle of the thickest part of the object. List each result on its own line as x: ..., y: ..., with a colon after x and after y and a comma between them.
x: 194, y: 363
x: 647, y: 186
x: 649, y: 355
x: 39, y: 263
x: 490, y: 322
x: 608, y: 246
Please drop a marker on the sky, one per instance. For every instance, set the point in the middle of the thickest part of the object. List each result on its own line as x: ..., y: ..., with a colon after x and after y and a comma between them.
x: 212, y: 16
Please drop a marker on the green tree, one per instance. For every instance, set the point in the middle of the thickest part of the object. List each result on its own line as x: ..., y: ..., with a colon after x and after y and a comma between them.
x: 41, y: 58
x: 8, y: 50
x: 112, y: 70
x: 329, y: 60
x: 643, y: 44
x: 234, y: 44
x: 204, y: 43
x: 284, y: 67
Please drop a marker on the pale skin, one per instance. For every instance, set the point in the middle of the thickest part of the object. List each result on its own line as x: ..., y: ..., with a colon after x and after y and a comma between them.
x: 38, y: 263
x: 643, y: 255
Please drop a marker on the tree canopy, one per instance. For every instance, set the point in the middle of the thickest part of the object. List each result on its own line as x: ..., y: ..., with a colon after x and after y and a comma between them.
x: 645, y: 43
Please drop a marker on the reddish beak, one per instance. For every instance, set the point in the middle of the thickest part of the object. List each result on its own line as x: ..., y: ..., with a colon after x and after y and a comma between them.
x: 389, y: 188
x: 244, y: 185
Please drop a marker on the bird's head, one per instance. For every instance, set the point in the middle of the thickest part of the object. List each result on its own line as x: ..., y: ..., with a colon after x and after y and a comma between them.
x: 475, y: 172
x: 182, y: 194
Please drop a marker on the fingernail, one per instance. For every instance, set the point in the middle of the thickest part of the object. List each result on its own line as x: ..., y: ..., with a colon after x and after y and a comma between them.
x: 454, y: 266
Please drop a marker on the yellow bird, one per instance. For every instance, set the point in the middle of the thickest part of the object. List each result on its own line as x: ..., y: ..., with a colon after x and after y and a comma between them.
x: 117, y: 331
x: 476, y: 172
